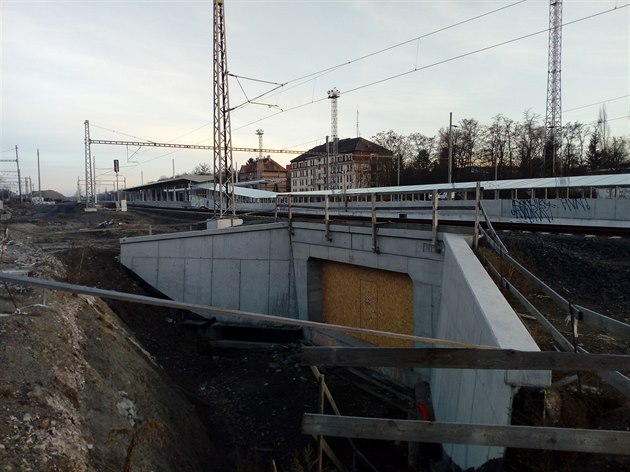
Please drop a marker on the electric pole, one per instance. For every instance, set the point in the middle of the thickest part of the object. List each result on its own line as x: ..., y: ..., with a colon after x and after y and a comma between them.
x: 222, y: 126
x: 90, y: 201
x: 553, y: 120
x: 39, y: 179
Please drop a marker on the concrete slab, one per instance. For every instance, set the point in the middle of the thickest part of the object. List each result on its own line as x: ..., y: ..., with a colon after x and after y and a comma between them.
x: 226, y: 278
x: 171, y: 277
x: 254, y: 286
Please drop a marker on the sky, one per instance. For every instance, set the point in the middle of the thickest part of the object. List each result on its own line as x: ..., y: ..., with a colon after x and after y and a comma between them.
x: 142, y: 70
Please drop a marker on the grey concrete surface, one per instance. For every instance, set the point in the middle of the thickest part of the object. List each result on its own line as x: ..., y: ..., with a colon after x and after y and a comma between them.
x: 244, y: 268
x: 474, y: 310
x: 276, y: 269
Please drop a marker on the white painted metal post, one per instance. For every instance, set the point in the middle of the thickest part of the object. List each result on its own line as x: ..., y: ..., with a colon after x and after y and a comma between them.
x: 477, y: 203
x: 435, y: 218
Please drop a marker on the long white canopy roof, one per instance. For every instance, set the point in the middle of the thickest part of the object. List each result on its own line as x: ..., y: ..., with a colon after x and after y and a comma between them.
x: 615, y: 180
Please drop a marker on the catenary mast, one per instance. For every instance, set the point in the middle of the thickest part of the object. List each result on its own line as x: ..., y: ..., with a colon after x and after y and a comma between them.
x: 553, y: 120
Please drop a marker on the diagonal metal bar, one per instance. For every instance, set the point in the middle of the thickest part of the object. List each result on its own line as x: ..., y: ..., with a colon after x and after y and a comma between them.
x: 205, y: 310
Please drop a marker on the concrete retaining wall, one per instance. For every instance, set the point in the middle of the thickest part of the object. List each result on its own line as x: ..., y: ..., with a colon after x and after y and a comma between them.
x: 474, y: 311
x: 277, y: 270
x: 244, y: 268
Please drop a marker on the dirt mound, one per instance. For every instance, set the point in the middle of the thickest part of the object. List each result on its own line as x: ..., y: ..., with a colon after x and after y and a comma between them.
x: 78, y: 392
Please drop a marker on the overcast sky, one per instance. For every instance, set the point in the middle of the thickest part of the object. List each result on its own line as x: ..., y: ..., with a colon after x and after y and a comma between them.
x: 144, y: 70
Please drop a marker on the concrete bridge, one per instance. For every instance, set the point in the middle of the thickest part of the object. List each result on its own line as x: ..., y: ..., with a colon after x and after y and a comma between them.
x: 399, y: 278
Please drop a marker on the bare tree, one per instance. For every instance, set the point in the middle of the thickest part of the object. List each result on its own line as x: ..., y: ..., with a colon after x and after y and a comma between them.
x: 618, y: 153
x: 419, y: 163
x: 467, y: 139
x: 203, y: 168
x: 530, y: 144
x: 574, y: 135
x: 399, y: 145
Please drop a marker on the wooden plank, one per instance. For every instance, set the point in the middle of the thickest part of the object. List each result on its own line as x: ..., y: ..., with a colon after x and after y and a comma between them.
x: 317, y: 374
x: 529, y: 437
x: 449, y: 358
x: 320, y: 437
x: 325, y: 446
x: 332, y: 456
x: 208, y: 311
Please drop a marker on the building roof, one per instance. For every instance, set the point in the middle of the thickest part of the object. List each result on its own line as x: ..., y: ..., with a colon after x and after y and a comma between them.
x: 238, y: 191
x: 180, y: 179
x: 613, y: 180
x: 347, y: 146
x: 265, y: 164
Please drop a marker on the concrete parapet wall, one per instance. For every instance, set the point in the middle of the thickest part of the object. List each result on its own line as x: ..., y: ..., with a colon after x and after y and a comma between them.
x: 473, y: 310
x: 244, y: 268
x: 595, y: 211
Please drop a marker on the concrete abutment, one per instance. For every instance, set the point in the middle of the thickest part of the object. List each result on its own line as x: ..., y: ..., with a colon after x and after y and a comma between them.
x: 280, y: 270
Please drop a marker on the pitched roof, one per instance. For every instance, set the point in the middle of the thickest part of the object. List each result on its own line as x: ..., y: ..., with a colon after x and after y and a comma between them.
x: 266, y: 164
x: 347, y: 146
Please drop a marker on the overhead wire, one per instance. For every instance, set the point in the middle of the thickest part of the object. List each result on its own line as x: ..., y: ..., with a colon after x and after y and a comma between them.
x: 434, y: 64
x: 596, y: 103
x: 394, y: 46
x: 120, y: 132
x: 315, y: 75
x: 396, y: 76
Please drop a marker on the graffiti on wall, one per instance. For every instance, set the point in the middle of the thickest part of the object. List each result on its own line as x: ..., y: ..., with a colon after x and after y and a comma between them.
x: 532, y: 210
x: 536, y: 211
x: 575, y: 204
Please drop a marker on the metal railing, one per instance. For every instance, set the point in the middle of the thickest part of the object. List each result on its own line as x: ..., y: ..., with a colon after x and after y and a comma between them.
x: 574, y: 313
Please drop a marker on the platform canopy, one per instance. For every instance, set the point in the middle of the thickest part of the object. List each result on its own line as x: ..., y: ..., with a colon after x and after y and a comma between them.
x: 615, y: 180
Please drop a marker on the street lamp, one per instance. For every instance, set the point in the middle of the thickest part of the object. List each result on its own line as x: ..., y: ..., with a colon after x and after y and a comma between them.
x: 450, y: 147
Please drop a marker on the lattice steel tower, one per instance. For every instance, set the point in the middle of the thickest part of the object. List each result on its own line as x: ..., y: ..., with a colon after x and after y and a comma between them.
x: 225, y: 206
x: 553, y: 120
x: 334, y: 95
x: 90, y: 201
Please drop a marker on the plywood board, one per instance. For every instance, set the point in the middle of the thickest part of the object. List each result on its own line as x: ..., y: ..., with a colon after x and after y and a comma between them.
x: 368, y: 298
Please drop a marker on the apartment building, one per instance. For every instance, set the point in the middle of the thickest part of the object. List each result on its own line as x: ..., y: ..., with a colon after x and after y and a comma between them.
x: 264, y: 174
x: 358, y: 163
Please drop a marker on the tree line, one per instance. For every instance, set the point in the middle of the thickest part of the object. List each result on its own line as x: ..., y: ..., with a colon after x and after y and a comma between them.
x: 503, y: 149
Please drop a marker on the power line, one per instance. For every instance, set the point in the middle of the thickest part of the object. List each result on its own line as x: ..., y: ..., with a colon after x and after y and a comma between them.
x: 322, y: 72
x: 119, y: 132
x: 395, y: 76
x: 596, y: 103
x: 434, y: 64
x: 476, y: 51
